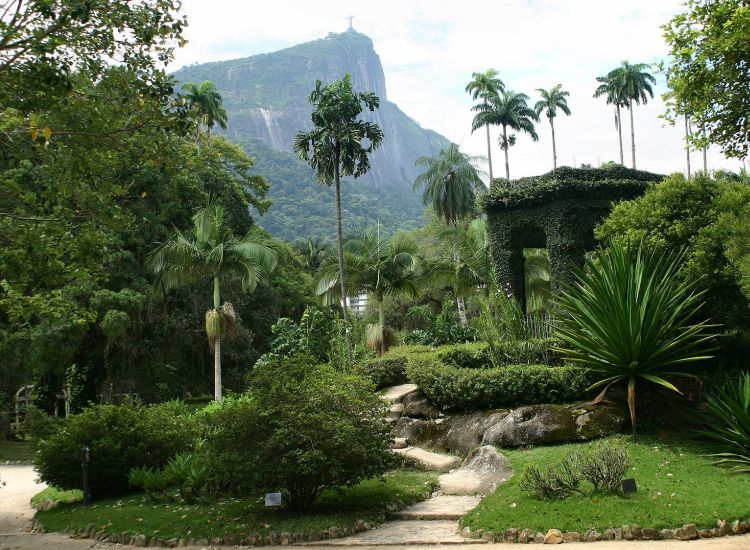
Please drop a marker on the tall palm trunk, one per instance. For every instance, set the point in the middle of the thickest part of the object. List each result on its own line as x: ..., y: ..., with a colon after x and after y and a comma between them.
x: 618, y: 121
x: 460, y: 302
x: 381, y: 319
x: 554, y: 148
x: 489, y: 154
x: 340, y: 239
x: 632, y: 132
x: 687, y: 145
x: 705, y: 161
x: 506, y: 147
x: 217, y: 343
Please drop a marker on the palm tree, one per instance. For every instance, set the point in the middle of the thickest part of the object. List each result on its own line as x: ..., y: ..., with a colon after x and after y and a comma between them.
x: 537, y: 279
x: 314, y: 252
x: 450, y: 182
x: 471, y: 267
x: 552, y: 100
x: 205, y: 100
x: 636, y: 85
x: 510, y: 110
x: 609, y: 88
x: 211, y: 252
x: 484, y: 85
x: 377, y: 266
x: 339, y: 145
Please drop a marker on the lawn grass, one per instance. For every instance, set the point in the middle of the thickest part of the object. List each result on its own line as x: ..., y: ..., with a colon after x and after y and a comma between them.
x: 238, y: 518
x: 676, y: 486
x: 56, y: 496
x: 16, y: 450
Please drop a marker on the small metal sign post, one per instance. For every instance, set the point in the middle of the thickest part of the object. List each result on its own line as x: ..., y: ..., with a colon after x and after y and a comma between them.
x: 273, y: 499
x: 85, y: 457
x: 629, y: 486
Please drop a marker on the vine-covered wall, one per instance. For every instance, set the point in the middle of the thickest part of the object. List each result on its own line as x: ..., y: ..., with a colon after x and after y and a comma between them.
x: 557, y: 211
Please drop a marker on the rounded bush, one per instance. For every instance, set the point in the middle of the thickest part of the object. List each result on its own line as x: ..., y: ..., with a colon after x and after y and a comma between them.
x: 301, y: 428
x: 119, y: 437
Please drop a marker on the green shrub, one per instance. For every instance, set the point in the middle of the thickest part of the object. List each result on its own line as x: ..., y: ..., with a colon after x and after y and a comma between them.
x: 390, y: 369
x: 727, y: 424
x: 461, y: 389
x: 120, y: 438
x: 303, y: 428
x: 534, y: 351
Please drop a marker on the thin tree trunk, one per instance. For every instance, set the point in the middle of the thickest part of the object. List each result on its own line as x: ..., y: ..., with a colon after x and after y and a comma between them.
x: 705, y: 161
x: 217, y: 368
x: 618, y: 114
x: 687, y: 145
x: 461, y: 304
x: 381, y: 319
x: 505, y: 143
x: 489, y: 153
x: 217, y: 343
x: 632, y: 132
x: 340, y: 239
x: 554, y: 148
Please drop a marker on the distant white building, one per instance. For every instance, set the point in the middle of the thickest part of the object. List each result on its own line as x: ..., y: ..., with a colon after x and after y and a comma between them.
x: 357, y: 304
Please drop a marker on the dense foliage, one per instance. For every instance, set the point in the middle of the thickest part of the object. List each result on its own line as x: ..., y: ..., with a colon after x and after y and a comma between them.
x: 120, y: 438
x: 706, y: 216
x: 629, y: 319
x: 303, y: 428
x: 707, y: 76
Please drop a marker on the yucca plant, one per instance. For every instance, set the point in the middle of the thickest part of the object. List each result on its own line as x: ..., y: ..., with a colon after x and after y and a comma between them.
x: 727, y: 424
x: 629, y: 317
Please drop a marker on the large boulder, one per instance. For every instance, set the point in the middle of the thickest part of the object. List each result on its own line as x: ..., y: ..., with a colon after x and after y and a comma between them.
x: 533, y: 425
x: 597, y: 421
x: 481, y: 473
x: 420, y: 433
x: 416, y: 405
x: 465, y: 432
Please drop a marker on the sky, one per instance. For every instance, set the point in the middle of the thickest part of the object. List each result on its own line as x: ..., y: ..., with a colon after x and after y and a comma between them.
x: 429, y: 49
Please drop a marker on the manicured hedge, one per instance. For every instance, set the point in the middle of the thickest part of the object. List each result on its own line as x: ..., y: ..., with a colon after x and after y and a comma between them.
x: 535, y: 351
x: 460, y: 389
x: 390, y: 369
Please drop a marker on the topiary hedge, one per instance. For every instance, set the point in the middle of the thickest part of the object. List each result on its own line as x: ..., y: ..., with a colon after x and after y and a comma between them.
x: 458, y: 389
x: 535, y: 351
x: 390, y: 369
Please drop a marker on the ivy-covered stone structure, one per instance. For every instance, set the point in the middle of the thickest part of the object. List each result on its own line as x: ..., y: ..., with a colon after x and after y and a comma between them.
x: 557, y: 211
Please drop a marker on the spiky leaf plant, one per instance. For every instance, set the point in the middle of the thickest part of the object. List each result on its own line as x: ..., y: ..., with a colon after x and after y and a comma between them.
x: 629, y: 317
x: 727, y: 424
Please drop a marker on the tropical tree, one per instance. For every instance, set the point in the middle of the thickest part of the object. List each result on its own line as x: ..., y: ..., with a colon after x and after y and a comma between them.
x: 339, y: 145
x: 471, y: 267
x: 614, y: 94
x: 206, y: 102
x: 629, y: 317
x: 375, y: 265
x: 510, y: 110
x: 635, y: 84
x: 211, y: 252
x: 537, y: 279
x: 484, y: 85
x: 553, y: 99
x: 313, y: 252
x: 450, y: 181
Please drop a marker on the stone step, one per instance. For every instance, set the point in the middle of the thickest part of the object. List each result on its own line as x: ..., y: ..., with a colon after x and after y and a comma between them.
x: 400, y: 443
x: 396, y: 394
x: 444, y: 507
x: 403, y: 532
x: 397, y: 408
x: 427, y: 460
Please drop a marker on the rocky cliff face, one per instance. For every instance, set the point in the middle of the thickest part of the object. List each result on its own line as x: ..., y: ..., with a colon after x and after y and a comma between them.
x: 266, y: 97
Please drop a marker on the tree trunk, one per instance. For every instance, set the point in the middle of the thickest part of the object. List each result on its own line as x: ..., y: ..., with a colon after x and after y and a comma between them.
x: 217, y: 343
x: 705, y: 161
x: 489, y: 154
x: 340, y: 239
x: 554, y: 148
x: 217, y: 368
x: 505, y: 143
x: 461, y: 305
x: 632, y: 133
x: 687, y: 145
x: 618, y: 116
x: 381, y: 319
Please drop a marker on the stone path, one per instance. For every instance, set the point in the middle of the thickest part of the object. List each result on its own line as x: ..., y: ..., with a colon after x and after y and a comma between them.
x: 427, y: 460
x: 443, y: 507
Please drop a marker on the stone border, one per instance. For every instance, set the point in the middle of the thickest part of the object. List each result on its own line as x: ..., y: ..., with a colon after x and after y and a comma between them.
x: 254, y: 539
x: 626, y: 532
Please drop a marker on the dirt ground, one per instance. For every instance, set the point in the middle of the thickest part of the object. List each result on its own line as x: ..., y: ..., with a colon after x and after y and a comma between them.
x: 16, y: 513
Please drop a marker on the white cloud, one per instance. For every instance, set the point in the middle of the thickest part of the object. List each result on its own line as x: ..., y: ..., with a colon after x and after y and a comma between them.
x: 429, y: 49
